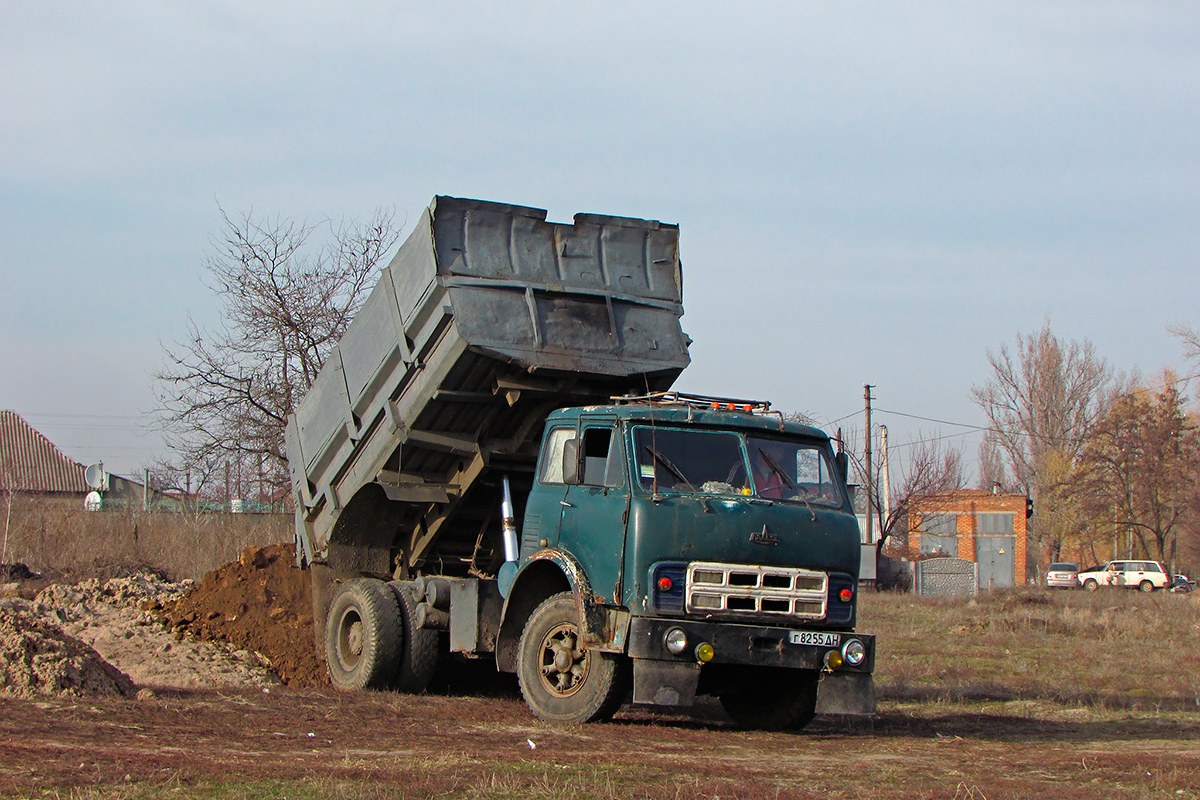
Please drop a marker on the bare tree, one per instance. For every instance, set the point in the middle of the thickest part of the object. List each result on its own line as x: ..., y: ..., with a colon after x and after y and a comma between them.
x: 225, y: 393
x: 992, y: 471
x: 930, y: 467
x: 1042, y: 401
x: 1189, y: 337
x: 1138, y: 474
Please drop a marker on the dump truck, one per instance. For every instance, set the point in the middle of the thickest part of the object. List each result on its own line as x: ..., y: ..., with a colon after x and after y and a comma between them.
x: 491, y: 465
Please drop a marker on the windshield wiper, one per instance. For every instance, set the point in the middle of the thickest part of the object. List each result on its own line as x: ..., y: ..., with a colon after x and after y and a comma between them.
x: 779, y: 471
x: 671, y: 468
x: 678, y: 473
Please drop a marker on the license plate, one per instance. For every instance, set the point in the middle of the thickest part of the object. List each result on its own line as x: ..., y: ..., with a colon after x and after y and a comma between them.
x: 816, y: 638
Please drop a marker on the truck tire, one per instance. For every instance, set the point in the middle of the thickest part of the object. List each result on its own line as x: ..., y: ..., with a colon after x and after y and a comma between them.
x: 363, y: 635
x: 776, y: 699
x: 560, y: 682
x: 419, y: 654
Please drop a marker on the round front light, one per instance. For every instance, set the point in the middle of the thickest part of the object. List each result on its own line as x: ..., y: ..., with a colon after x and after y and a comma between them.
x: 833, y: 660
x: 854, y: 652
x: 676, y: 641
x: 705, y: 652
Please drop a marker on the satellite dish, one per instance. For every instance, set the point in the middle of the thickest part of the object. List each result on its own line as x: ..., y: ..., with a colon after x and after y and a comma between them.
x: 93, y: 502
x: 95, y: 477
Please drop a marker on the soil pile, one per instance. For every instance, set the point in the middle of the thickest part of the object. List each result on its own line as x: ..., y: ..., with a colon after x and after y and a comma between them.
x: 38, y: 658
x: 112, y: 617
x: 261, y: 603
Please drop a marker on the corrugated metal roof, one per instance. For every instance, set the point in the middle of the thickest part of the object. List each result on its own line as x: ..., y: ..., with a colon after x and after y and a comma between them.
x: 35, y: 463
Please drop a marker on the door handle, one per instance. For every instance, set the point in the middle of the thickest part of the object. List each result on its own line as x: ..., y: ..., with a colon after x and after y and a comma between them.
x: 565, y: 503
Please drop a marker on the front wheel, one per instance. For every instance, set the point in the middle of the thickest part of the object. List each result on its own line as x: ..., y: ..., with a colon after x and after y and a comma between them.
x: 775, y: 699
x: 1146, y: 586
x: 561, y: 681
x: 1091, y: 585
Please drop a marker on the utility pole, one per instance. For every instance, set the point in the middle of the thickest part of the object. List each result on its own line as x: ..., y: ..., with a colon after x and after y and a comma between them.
x: 870, y: 487
x: 885, y: 478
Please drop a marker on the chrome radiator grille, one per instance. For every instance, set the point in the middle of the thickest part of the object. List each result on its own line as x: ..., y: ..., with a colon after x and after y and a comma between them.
x: 759, y: 591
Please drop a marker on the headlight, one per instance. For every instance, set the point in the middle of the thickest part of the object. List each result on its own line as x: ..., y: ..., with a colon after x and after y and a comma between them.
x: 675, y: 641
x: 705, y: 652
x: 854, y: 652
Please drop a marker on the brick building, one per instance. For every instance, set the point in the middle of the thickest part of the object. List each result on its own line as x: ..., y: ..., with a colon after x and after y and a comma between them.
x: 989, y: 529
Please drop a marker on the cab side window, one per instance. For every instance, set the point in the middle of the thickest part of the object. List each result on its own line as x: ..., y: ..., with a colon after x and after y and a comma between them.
x: 601, y: 457
x: 552, y: 455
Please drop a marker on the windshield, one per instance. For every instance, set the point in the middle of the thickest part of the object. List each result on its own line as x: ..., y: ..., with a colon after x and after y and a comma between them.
x: 791, y: 470
x: 707, y: 462
x: 715, y: 462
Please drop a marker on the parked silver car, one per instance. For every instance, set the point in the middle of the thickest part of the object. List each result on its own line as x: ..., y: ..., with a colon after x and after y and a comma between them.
x: 1062, y: 575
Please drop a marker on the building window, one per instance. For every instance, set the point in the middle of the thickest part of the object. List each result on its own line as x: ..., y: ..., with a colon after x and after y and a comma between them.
x: 939, y: 525
x: 995, y: 523
x: 939, y: 535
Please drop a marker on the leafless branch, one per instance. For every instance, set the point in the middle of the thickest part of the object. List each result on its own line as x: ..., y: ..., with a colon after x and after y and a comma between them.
x: 225, y: 392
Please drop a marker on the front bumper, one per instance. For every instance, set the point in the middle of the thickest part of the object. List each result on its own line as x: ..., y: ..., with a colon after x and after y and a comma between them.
x: 740, y: 644
x: 661, y: 677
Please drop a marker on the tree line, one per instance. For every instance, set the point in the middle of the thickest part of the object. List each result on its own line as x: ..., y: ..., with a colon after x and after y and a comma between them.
x: 1110, y: 460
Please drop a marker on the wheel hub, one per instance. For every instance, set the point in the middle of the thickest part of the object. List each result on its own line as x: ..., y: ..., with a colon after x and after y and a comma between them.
x: 564, y: 666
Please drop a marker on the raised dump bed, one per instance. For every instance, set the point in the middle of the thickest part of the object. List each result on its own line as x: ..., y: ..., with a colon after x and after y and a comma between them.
x: 486, y: 320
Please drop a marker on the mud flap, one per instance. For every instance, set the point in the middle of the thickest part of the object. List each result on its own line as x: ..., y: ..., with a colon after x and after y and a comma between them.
x: 846, y: 693
x: 665, y: 683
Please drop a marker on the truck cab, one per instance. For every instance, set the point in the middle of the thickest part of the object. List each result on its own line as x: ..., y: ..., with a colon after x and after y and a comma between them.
x: 707, y: 547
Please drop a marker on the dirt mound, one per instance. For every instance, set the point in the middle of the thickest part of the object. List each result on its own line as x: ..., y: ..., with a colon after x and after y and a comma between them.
x: 261, y: 603
x: 37, y: 658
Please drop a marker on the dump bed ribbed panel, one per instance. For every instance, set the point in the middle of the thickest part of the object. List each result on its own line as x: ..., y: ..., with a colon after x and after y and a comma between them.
x: 487, y: 318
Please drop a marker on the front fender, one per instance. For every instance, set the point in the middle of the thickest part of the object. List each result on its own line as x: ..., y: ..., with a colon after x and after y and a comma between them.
x: 549, y: 572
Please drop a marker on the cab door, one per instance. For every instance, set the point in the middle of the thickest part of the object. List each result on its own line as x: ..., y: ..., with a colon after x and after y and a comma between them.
x: 595, y: 509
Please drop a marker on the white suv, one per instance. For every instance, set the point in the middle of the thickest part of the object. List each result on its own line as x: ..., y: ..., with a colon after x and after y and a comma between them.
x: 1144, y: 575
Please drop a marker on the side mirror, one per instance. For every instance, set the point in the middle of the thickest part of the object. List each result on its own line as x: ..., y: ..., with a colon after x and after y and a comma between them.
x: 843, y: 465
x: 572, y: 474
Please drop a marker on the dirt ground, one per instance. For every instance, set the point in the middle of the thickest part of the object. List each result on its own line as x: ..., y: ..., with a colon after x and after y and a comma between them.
x: 181, y: 742
x: 217, y: 686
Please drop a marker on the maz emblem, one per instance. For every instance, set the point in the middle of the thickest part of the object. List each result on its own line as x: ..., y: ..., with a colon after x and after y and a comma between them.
x: 763, y: 537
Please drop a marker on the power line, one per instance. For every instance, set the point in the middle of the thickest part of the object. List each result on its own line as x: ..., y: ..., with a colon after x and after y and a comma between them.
x: 938, y: 421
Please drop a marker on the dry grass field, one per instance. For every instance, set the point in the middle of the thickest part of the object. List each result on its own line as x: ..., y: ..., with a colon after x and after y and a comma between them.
x: 1023, y: 694
x: 59, y: 538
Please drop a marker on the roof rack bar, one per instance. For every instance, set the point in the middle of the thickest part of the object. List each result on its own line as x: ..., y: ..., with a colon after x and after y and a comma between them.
x: 700, y: 401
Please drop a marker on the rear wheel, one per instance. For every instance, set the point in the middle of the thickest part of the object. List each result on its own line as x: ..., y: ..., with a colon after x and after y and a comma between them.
x: 1146, y: 586
x: 363, y: 635
x: 419, y: 655
x: 561, y: 681
x: 775, y: 699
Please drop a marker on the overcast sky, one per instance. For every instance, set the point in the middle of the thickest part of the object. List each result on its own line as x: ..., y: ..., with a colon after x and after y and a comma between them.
x: 866, y: 192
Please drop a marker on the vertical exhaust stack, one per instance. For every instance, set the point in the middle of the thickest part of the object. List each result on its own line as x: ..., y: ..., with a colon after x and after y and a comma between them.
x: 509, y: 524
